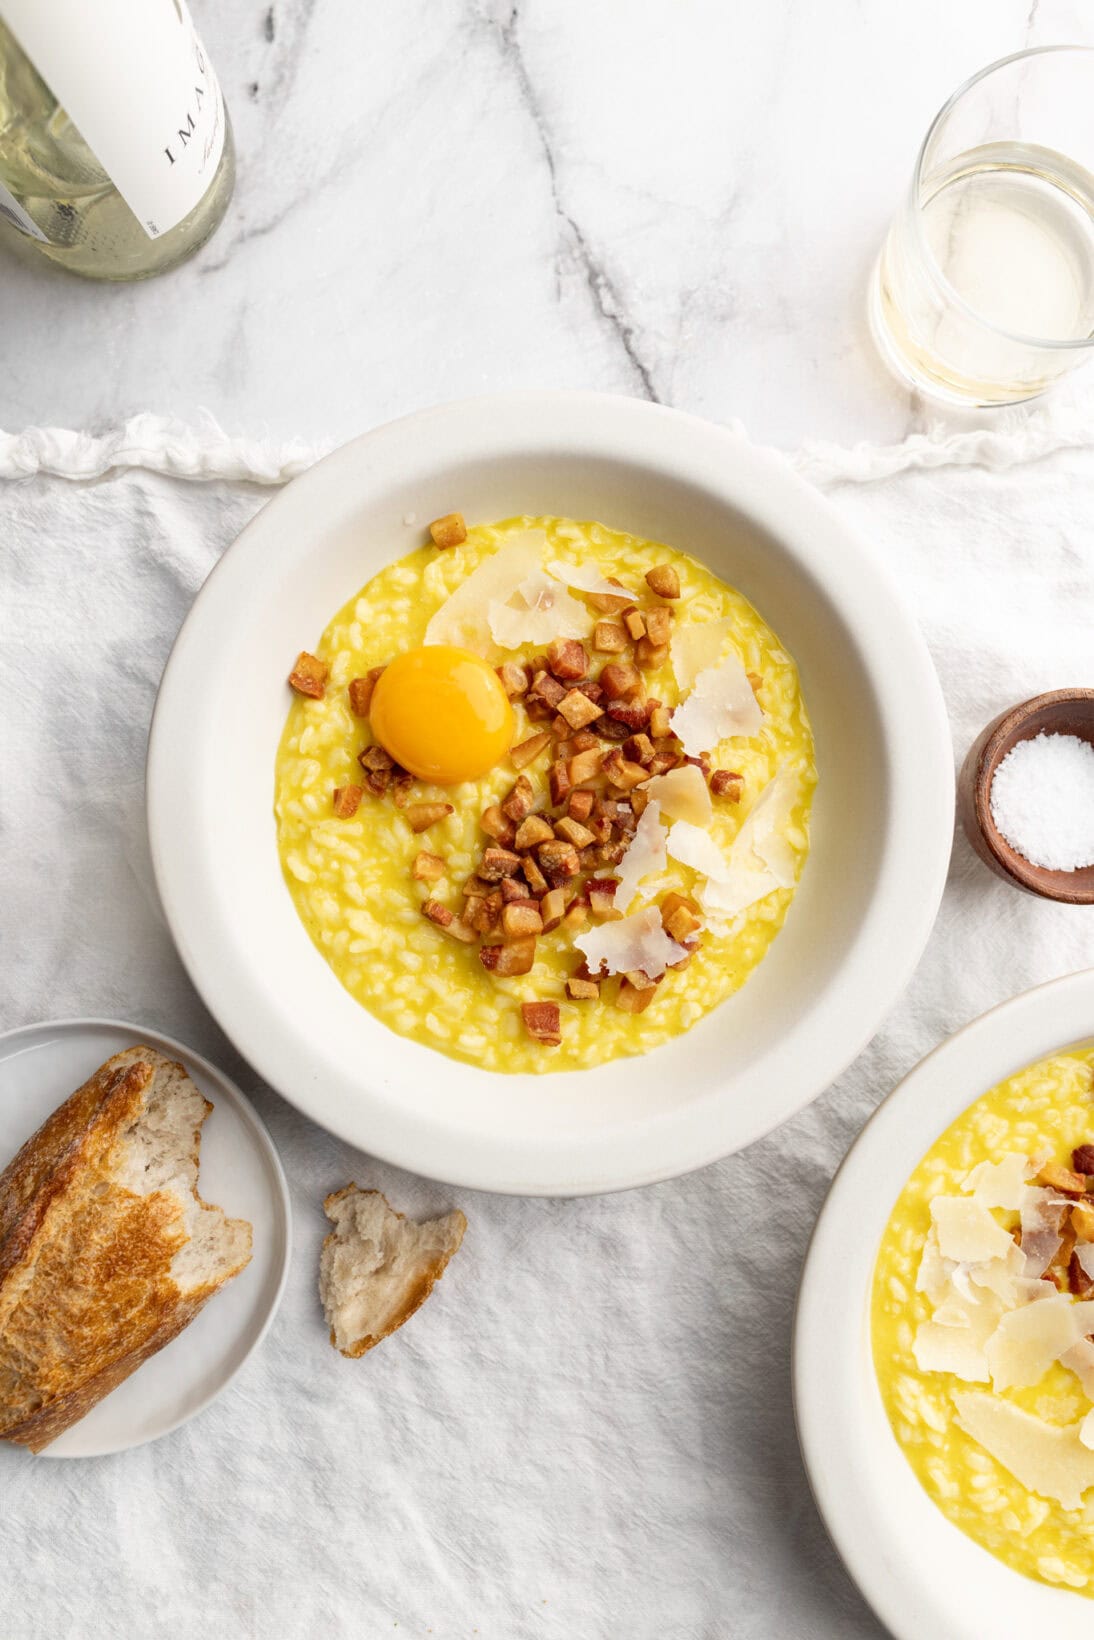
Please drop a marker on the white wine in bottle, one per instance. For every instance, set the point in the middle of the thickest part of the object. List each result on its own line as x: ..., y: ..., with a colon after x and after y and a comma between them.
x: 116, y: 154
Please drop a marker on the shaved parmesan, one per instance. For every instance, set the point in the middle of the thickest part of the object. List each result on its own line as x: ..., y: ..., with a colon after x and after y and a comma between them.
x: 1086, y: 1429
x: 1049, y: 1459
x: 683, y: 795
x: 720, y: 707
x: 538, y: 611
x: 966, y: 1232
x: 1000, y: 1184
x: 1084, y: 1252
x: 637, y: 942
x: 645, y: 853
x: 1079, y: 1359
x: 695, y: 647
x: 696, y: 848
x: 464, y: 617
x: 583, y: 579
x: 761, y: 858
x: 934, y: 1273
x: 1028, y: 1340
x: 950, y: 1349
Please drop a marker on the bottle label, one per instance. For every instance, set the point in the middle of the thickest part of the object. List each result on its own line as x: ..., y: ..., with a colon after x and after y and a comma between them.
x: 13, y: 212
x: 133, y: 78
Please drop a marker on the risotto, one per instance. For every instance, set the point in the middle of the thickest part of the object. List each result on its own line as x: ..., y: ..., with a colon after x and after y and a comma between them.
x: 981, y: 1321
x: 363, y: 860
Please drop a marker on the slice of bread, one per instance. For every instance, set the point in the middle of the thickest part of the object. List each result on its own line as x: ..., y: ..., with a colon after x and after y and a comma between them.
x: 377, y: 1267
x: 106, y: 1249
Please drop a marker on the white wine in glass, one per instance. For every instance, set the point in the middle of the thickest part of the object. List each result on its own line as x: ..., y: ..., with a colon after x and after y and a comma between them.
x: 116, y: 156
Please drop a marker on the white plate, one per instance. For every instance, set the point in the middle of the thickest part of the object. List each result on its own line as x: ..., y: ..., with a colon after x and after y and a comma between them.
x: 883, y: 815
x: 40, y: 1065
x: 924, y: 1578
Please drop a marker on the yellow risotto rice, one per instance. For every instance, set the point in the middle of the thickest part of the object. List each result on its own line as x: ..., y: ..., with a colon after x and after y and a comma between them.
x: 350, y: 878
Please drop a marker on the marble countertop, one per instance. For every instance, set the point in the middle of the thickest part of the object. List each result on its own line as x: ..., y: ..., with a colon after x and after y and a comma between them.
x: 679, y: 200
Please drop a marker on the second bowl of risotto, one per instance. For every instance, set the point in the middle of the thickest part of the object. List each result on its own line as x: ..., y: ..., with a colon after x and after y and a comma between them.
x: 548, y: 793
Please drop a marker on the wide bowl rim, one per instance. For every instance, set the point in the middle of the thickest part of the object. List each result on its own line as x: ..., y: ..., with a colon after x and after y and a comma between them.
x: 832, y: 1370
x: 757, y: 483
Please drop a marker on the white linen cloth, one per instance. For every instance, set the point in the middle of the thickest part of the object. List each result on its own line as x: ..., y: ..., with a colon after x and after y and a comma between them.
x: 587, y: 1431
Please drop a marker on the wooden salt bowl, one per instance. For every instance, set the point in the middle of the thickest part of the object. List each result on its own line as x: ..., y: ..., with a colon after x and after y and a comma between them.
x: 1061, y: 712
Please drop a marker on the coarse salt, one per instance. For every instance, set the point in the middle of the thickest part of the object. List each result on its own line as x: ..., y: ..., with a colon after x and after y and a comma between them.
x: 1042, y: 801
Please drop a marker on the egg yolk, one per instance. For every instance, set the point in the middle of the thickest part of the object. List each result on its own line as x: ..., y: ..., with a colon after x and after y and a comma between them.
x: 442, y: 713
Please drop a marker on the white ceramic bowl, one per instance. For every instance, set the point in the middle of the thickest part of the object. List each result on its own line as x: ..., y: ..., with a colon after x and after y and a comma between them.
x: 920, y: 1573
x: 883, y: 812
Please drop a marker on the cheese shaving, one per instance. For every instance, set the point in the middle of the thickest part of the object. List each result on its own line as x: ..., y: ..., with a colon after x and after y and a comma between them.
x: 696, y: 848
x: 760, y: 858
x: 645, y: 853
x: 1000, y: 1184
x: 1086, y: 1429
x: 966, y: 1232
x: 950, y: 1349
x: 629, y: 944
x: 721, y: 706
x: 1028, y: 1340
x: 695, y: 647
x: 1043, y: 1214
x: 464, y: 617
x: 539, y: 611
x: 1084, y: 1252
x: 1079, y: 1359
x: 683, y: 795
x: 583, y: 579
x: 1049, y: 1459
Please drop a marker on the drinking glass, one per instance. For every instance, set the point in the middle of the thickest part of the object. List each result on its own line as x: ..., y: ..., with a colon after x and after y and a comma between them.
x: 984, y: 290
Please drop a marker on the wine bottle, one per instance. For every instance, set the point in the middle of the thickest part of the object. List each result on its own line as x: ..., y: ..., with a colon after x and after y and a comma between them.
x: 116, y: 155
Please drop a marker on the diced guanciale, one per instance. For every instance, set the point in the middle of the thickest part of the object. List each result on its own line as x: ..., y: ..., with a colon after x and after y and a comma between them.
x: 578, y: 709
x: 521, y: 918
x: 514, y: 679
x: 533, y: 876
x: 346, y: 800
x: 579, y: 806
x: 650, y: 656
x: 420, y: 816
x: 619, y: 679
x: 567, y: 659
x: 427, y: 868
x: 517, y: 957
x: 610, y: 603
x: 634, y: 999
x: 610, y: 637
x: 1060, y: 1178
x: 572, y: 831
x: 639, y: 748
x: 449, y: 531
x: 532, y: 831
x: 660, y: 721
x: 576, y: 916
x: 514, y: 888
x: 542, y: 1022
x: 437, y: 913
x: 558, y: 861
x: 360, y: 692
x: 659, y: 626
x: 520, y: 798
x: 582, y: 990
x: 602, y: 896
x: 497, y: 863
x: 680, y: 917
x: 630, y: 715
x: 634, y: 621
x: 724, y: 783
x: 583, y: 766
x: 497, y: 825
x: 552, y: 908
x: 528, y: 750
x: 309, y: 676
x: 663, y: 580
x: 546, y: 689
x: 559, y: 781
x: 1082, y: 1159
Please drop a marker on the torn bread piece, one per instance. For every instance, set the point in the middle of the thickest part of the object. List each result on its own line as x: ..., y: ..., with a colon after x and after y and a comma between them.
x: 377, y: 1266
x: 106, y: 1249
